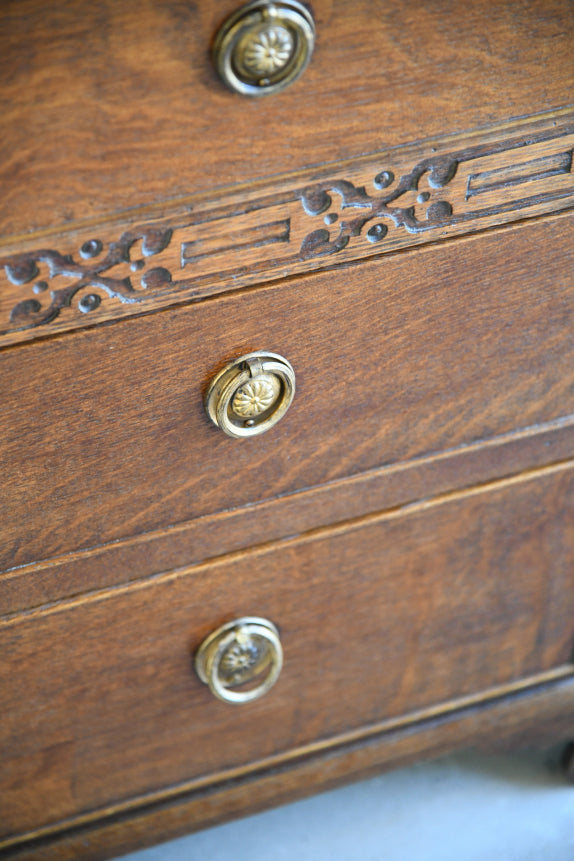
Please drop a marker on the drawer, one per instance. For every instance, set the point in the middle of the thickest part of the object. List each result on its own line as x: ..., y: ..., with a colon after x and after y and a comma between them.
x: 117, y: 105
x: 398, y: 225
x: 471, y: 594
x: 104, y: 435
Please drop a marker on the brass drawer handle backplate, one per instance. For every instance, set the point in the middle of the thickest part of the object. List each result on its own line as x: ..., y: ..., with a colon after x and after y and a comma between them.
x: 263, y: 47
x: 237, y: 653
x: 251, y: 394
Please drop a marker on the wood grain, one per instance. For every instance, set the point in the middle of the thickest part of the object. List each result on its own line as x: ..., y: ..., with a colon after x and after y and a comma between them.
x: 344, y: 212
x: 103, y: 434
x: 206, y: 537
x: 378, y: 619
x: 108, y: 106
x: 433, y: 365
x: 543, y: 713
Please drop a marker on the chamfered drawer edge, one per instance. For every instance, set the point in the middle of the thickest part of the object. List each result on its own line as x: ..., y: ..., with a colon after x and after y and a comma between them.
x: 395, y: 615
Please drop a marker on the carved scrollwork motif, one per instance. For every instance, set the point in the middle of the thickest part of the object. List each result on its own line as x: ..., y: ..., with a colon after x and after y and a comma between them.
x: 288, y: 226
x: 95, y: 271
x: 317, y: 200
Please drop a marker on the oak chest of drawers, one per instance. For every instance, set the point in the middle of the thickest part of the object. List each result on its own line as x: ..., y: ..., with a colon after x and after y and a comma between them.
x: 397, y: 224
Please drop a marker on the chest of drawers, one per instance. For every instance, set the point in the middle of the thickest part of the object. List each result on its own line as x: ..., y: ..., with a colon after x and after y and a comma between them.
x: 398, y: 225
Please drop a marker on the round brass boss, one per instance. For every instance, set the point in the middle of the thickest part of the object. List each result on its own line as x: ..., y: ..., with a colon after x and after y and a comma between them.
x: 263, y: 47
x: 251, y: 394
x: 237, y: 653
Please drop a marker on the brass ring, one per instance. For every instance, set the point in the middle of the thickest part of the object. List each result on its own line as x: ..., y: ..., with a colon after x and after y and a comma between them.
x: 265, y: 382
x: 214, y: 649
x: 264, y: 46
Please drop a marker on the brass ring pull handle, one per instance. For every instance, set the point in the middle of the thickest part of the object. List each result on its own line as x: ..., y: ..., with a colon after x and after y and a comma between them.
x: 237, y: 653
x: 251, y: 394
x: 264, y: 46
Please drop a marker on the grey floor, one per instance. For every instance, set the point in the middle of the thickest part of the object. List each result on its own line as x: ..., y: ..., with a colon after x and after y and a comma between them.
x: 462, y: 808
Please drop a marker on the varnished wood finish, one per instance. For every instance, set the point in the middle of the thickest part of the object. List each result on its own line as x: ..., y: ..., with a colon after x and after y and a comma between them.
x: 416, y: 195
x: 378, y: 619
x: 195, y: 541
x: 543, y: 713
x: 104, y: 434
x: 407, y: 525
x: 108, y: 105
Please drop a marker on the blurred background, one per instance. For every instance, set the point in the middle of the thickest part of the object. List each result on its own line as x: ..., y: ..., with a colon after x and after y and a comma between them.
x: 468, y: 807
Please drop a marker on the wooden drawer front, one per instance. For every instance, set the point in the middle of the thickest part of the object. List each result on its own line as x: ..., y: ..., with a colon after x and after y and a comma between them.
x: 103, y: 434
x: 378, y: 619
x: 118, y: 105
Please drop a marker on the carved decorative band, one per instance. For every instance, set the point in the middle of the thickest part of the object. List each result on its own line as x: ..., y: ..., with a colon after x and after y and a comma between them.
x: 306, y: 222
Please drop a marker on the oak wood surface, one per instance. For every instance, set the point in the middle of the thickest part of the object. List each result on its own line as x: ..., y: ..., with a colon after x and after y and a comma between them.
x: 378, y: 619
x: 103, y: 434
x: 537, y: 716
x: 341, y: 212
x: 119, y: 562
x: 107, y: 106
x: 419, y: 373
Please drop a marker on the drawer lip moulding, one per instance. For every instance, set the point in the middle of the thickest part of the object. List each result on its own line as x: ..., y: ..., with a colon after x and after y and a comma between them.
x: 393, y: 615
